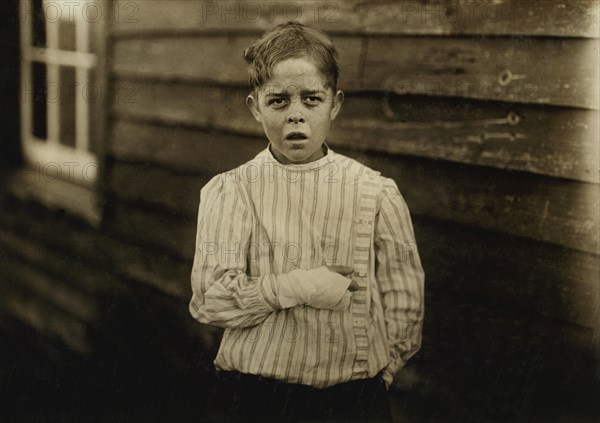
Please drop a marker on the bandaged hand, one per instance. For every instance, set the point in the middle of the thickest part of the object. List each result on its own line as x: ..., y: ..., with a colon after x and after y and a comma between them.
x: 323, y: 288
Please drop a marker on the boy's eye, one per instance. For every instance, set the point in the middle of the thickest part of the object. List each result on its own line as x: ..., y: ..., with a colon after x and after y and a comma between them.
x: 279, y: 101
x: 313, y: 99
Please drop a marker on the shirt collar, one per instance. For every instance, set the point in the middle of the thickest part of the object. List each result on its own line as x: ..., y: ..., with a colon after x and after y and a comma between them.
x: 327, y: 158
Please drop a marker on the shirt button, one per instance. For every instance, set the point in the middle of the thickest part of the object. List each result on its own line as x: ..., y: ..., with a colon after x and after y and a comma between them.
x: 362, y: 274
x: 359, y: 322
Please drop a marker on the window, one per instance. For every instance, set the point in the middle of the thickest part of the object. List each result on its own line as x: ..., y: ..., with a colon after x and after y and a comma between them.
x: 62, y: 103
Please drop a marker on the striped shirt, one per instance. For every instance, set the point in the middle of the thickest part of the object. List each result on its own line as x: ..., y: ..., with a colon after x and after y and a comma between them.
x: 264, y: 219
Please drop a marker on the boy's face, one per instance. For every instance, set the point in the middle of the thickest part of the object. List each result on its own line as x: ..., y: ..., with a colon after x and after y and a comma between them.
x: 296, y: 110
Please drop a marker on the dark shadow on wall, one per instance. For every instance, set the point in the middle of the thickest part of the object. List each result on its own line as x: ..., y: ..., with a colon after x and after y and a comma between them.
x: 10, y: 155
x: 145, y: 366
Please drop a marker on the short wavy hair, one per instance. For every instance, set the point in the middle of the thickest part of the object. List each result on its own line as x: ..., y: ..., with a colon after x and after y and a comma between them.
x: 291, y: 40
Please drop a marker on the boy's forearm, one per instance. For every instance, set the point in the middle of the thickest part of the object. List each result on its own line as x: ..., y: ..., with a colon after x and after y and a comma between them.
x: 404, y: 341
x: 401, y: 278
x: 403, y: 312
x: 318, y: 288
x: 234, y: 299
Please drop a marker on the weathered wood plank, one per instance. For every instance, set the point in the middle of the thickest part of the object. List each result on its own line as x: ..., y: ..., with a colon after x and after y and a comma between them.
x: 175, y: 234
x: 89, y: 254
x: 522, y: 70
x: 512, y: 17
x: 217, y: 59
x: 56, y: 291
x: 551, y: 141
x: 552, y: 210
x: 548, y: 141
x: 512, y: 358
x: 42, y: 185
x: 37, y: 313
x: 506, y: 271
x: 546, y: 71
x: 180, y: 148
x: 155, y: 186
x: 75, y: 271
x: 213, y: 108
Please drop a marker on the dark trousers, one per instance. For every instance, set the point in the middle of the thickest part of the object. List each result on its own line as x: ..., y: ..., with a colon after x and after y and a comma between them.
x: 240, y: 397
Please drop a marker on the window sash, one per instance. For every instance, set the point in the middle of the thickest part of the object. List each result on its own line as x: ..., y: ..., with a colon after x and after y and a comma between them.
x: 51, y: 152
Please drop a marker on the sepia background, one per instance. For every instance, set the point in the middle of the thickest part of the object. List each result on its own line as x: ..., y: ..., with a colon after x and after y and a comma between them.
x: 116, y: 113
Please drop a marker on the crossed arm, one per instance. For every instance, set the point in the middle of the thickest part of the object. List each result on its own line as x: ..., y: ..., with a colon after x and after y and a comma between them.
x: 224, y: 295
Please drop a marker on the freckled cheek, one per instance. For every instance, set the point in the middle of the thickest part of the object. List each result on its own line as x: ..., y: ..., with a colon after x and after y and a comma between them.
x: 273, y: 119
x: 322, y: 126
x: 273, y: 127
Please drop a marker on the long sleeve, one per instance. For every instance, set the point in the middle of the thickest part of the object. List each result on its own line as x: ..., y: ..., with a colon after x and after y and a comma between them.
x: 400, y: 277
x: 222, y: 294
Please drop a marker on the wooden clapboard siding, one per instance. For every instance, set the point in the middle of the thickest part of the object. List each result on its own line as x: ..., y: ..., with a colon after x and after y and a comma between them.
x: 508, y: 271
x: 91, y: 253
x: 68, y: 298
x: 181, y: 148
x: 210, y: 107
x: 157, y: 187
x: 23, y: 299
x: 553, y: 210
x: 170, y: 59
x: 554, y: 141
x: 170, y: 233
x: 521, y: 70
x: 513, y: 17
x: 97, y: 266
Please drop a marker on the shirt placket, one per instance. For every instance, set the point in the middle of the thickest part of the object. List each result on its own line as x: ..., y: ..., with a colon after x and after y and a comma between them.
x: 363, y: 234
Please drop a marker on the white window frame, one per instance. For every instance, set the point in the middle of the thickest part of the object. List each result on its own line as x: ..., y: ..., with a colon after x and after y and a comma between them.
x: 59, y: 175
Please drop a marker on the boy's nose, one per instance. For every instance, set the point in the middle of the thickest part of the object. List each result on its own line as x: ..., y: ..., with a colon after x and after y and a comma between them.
x: 295, y: 119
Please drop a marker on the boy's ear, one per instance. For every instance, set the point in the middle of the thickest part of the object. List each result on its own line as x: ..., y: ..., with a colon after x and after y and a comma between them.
x: 252, y: 103
x: 338, y: 99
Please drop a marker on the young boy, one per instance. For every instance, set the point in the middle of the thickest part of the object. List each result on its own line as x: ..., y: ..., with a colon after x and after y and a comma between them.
x: 306, y: 257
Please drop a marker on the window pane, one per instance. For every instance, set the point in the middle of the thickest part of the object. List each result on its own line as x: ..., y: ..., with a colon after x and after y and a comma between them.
x: 38, y: 25
x: 66, y: 98
x: 66, y: 34
x: 92, y: 28
x: 94, y: 97
x: 40, y: 98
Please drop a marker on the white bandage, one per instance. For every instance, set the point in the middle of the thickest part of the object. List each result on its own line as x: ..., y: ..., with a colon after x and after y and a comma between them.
x: 318, y: 288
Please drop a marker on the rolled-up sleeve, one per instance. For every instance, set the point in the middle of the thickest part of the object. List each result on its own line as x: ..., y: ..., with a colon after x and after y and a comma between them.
x: 222, y: 293
x: 400, y: 276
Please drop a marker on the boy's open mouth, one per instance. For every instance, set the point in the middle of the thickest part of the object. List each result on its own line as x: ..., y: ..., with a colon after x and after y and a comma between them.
x: 296, y: 136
